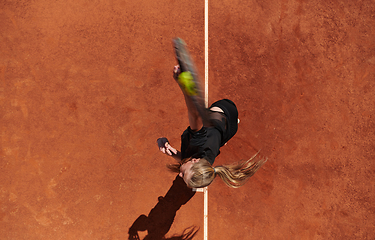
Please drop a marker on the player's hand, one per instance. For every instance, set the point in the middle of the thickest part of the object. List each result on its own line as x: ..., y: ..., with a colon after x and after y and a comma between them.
x: 165, y: 147
x: 176, y: 72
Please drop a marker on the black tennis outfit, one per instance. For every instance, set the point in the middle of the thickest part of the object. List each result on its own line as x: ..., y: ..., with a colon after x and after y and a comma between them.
x: 206, y: 142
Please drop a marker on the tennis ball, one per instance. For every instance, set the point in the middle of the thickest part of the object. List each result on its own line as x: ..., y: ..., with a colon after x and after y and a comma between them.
x: 186, y: 81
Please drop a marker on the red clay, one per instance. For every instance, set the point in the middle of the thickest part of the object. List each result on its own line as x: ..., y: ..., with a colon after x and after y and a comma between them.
x: 86, y: 88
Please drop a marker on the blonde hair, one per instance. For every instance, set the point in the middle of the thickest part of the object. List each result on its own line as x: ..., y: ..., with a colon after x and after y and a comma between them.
x: 234, y: 175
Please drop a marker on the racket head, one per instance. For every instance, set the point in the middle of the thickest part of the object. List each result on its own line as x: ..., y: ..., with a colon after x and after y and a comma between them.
x: 187, y: 64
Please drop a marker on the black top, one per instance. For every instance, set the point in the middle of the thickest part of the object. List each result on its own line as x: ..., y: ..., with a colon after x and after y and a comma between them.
x: 206, y: 142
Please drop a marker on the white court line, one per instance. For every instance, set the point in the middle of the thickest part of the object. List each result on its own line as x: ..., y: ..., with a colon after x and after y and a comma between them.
x: 206, y: 53
x: 205, y: 195
x: 205, y: 191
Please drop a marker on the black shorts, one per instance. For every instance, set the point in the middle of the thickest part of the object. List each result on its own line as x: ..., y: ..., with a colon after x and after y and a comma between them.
x: 228, y: 123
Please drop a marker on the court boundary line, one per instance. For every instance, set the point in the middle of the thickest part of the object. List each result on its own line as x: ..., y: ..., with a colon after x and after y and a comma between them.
x: 205, y: 190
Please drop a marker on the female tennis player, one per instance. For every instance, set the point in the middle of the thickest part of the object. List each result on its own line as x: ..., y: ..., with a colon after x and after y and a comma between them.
x: 200, y: 145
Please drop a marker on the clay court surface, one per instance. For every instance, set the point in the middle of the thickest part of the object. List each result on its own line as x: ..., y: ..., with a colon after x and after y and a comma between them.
x: 86, y: 89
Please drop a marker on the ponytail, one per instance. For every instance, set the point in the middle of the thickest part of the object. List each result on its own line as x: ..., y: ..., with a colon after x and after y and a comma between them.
x: 234, y: 175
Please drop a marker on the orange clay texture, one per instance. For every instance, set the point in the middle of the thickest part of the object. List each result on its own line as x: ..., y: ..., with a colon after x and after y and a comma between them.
x: 86, y: 88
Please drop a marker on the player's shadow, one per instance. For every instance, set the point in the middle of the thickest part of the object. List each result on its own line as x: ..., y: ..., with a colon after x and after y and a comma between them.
x: 160, y: 219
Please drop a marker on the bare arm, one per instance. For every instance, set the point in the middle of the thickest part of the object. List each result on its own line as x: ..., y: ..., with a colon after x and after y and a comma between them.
x: 195, y: 120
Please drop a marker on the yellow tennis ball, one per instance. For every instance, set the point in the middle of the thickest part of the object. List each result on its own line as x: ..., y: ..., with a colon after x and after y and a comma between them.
x: 186, y: 81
